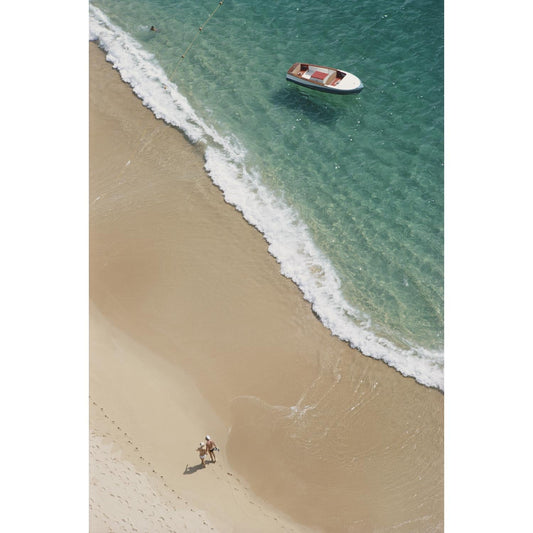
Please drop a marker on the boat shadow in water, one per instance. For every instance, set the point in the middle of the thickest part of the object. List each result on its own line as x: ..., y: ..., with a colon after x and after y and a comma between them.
x: 318, y: 106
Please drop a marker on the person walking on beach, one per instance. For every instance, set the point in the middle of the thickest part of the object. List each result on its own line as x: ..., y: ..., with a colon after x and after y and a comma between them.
x: 202, y: 450
x: 211, y: 447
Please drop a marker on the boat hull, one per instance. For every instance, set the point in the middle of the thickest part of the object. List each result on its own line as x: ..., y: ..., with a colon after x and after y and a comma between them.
x: 324, y: 79
x: 323, y: 88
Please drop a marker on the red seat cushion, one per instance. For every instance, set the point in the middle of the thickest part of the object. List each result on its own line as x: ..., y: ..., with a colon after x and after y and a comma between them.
x: 319, y: 75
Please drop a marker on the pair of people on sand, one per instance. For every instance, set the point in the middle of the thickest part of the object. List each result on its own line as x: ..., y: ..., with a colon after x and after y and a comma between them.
x: 206, y: 447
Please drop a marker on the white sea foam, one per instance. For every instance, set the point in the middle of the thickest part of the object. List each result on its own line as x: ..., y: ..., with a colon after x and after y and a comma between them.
x: 289, y: 239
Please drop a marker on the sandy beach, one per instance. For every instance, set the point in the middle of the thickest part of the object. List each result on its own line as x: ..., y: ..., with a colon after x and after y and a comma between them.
x: 194, y: 331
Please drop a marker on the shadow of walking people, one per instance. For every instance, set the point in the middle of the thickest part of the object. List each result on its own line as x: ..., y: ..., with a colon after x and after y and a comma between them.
x: 193, y: 469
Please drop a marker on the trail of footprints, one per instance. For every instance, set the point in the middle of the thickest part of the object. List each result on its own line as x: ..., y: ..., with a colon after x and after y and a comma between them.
x: 116, y: 480
x: 112, y: 476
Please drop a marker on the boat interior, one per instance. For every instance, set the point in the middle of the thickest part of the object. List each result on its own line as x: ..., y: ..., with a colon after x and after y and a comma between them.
x: 316, y: 74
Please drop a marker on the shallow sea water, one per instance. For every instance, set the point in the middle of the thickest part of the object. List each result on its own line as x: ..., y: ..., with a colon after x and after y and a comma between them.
x: 348, y: 190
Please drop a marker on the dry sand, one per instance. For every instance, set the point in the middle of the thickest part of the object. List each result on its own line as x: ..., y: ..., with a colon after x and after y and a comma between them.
x: 193, y: 330
x: 144, y: 473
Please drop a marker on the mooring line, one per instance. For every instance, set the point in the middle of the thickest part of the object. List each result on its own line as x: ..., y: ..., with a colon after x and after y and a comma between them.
x: 196, y: 36
x: 200, y: 29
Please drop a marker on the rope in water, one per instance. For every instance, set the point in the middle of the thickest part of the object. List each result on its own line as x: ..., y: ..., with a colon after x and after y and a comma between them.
x: 148, y: 141
x: 197, y: 35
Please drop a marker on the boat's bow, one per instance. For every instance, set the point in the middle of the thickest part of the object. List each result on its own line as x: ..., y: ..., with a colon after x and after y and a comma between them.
x: 350, y: 84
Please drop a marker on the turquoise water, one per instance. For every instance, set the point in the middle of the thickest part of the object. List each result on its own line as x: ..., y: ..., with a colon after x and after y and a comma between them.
x: 348, y: 190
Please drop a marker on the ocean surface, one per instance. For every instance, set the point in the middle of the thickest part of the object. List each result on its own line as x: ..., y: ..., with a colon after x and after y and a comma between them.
x: 347, y: 190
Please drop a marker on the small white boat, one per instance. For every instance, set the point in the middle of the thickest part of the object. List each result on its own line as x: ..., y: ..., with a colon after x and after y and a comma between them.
x: 327, y: 79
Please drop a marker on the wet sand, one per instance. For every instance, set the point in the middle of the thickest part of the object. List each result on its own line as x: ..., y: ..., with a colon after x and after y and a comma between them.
x: 194, y: 330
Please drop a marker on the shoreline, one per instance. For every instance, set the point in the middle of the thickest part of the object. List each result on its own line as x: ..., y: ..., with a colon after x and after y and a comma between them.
x: 291, y: 244
x: 190, y: 293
